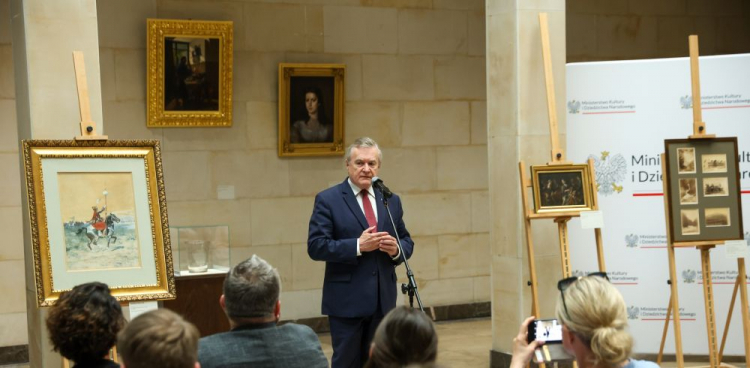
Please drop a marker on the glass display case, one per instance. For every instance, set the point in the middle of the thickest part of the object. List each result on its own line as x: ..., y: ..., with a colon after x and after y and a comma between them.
x: 200, y: 250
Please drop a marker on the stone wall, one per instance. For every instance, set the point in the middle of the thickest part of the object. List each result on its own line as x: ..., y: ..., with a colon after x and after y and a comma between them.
x: 646, y: 29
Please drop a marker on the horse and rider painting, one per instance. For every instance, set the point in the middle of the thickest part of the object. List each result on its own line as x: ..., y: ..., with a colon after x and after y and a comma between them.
x: 107, y: 237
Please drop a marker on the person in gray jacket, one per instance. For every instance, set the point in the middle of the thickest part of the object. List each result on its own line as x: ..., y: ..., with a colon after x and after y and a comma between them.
x: 251, y: 303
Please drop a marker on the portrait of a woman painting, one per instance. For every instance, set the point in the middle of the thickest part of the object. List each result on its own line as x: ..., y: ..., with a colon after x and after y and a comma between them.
x: 310, y: 101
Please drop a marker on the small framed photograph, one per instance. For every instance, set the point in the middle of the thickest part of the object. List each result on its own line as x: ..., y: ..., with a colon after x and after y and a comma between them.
x: 716, y: 217
x: 714, y: 163
x: 715, y: 187
x: 686, y: 160
x: 98, y: 213
x: 189, y: 73
x: 562, y: 188
x: 690, y: 222
x: 705, y: 205
x: 689, y: 191
x: 311, y: 109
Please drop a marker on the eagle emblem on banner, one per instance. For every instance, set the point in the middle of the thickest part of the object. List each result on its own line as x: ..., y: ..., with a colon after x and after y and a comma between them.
x: 633, y: 312
x: 686, y: 102
x: 631, y: 240
x: 574, y: 107
x: 610, y: 170
x: 688, y: 276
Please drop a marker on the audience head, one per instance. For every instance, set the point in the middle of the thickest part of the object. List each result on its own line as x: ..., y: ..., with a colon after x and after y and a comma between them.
x: 251, y: 292
x: 405, y: 337
x: 594, y: 318
x: 159, y: 339
x: 84, y: 322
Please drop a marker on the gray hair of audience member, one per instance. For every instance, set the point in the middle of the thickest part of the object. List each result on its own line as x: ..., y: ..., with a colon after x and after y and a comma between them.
x: 159, y: 339
x: 363, y: 142
x: 251, y: 289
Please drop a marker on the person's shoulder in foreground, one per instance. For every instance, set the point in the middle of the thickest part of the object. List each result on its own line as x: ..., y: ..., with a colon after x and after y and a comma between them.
x: 634, y: 363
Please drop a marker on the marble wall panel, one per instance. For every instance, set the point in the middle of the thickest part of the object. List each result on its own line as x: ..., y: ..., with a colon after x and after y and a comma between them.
x: 423, y: 262
x: 256, y: 75
x: 306, y: 273
x: 187, y: 175
x: 462, y: 168
x: 309, y: 176
x: 353, y: 82
x: 460, y: 78
x: 380, y: 121
x: 436, y: 123
x: 254, y: 174
x: 398, y: 3
x: 123, y: 23
x: 11, y: 247
x: 294, y: 27
x: 210, y: 139
x: 280, y: 220
x: 480, y: 212
x: 11, y: 287
x: 437, y: 213
x: 207, y: 10
x: 447, y: 29
x: 395, y: 78
x: 8, y: 126
x: 127, y: 120
x: 262, y: 125
x: 279, y: 256
x: 360, y: 30
x: 301, y: 304
x: 626, y: 37
x: 459, y: 4
x: 10, y: 186
x: 409, y: 169
x: 482, y: 289
x: 478, y: 122
x: 7, y: 81
x: 446, y: 291
x: 13, y: 329
x: 130, y: 74
x: 107, y: 70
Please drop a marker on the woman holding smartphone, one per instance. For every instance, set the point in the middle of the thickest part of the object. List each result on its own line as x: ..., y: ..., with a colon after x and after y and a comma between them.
x: 595, y: 326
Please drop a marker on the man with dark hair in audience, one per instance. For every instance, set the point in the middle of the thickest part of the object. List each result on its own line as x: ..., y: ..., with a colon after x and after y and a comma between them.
x: 159, y: 339
x: 251, y: 303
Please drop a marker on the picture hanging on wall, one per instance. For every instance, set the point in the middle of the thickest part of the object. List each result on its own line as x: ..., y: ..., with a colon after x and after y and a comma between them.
x: 703, y: 189
x: 562, y: 188
x: 189, y: 73
x: 311, y: 109
x: 98, y: 212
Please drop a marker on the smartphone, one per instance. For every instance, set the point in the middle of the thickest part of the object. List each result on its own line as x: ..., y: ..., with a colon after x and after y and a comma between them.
x: 547, y: 330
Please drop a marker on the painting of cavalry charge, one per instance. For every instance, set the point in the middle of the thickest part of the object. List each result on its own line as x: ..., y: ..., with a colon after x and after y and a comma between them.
x: 99, y: 221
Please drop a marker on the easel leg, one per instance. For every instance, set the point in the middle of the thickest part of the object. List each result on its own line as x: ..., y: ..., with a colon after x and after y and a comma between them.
x: 674, y: 302
x: 741, y: 277
x: 562, y: 231
x: 600, y: 250
x: 664, y: 334
x: 708, y: 298
x: 729, y: 318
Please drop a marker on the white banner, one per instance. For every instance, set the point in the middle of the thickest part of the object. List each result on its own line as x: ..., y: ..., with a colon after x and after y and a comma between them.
x: 620, y: 113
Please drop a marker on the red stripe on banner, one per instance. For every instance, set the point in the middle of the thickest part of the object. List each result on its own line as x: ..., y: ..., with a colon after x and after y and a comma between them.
x: 654, y: 247
x: 663, y: 319
x: 726, y: 107
x: 624, y: 283
x: 722, y: 283
x: 745, y: 191
x: 648, y: 194
x: 609, y: 112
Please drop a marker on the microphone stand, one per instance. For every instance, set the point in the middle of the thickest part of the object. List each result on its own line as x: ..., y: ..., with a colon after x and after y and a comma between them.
x: 411, y: 287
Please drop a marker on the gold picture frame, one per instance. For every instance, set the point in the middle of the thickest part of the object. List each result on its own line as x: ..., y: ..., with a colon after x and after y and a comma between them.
x: 562, y: 188
x: 189, y: 73
x: 98, y: 212
x: 317, y: 130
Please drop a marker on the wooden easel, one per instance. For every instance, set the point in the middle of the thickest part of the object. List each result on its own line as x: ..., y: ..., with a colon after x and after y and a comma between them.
x: 557, y: 158
x: 88, y: 133
x: 715, y: 355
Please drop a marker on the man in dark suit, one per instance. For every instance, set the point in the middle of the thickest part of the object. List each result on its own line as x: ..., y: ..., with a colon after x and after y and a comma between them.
x: 350, y: 231
x: 251, y: 303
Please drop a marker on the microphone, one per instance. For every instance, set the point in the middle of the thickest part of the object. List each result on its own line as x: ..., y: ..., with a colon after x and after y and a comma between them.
x: 377, y: 183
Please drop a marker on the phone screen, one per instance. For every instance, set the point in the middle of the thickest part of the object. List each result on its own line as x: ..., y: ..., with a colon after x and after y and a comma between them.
x: 547, y: 330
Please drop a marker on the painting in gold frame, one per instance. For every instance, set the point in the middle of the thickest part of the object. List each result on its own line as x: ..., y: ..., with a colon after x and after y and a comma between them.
x: 311, y: 109
x: 189, y: 73
x: 98, y: 212
x: 562, y: 188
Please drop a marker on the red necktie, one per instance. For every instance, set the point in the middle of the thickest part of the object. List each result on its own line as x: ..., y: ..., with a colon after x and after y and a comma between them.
x: 369, y: 213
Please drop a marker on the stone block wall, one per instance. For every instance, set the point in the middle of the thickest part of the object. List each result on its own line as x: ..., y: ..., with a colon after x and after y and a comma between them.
x: 646, y: 29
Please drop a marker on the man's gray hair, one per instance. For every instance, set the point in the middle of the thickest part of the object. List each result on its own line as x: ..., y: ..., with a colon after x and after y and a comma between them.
x: 251, y: 289
x: 363, y: 142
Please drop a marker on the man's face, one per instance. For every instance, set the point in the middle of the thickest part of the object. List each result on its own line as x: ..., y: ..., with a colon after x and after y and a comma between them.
x: 363, y: 164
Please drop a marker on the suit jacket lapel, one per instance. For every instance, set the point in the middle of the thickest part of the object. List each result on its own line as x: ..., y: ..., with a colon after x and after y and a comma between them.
x: 351, y: 201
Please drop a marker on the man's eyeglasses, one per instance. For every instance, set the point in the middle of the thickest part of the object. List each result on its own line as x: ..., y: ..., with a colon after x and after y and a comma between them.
x: 566, y: 282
